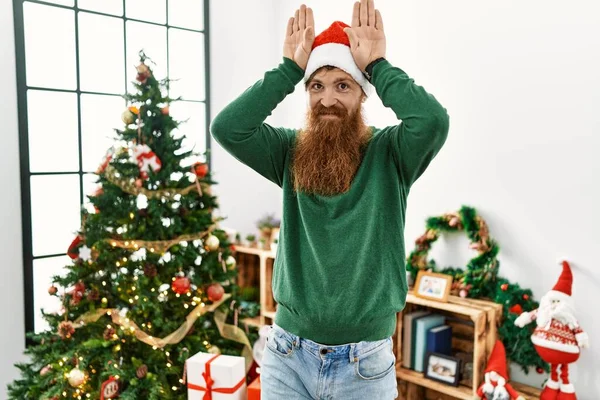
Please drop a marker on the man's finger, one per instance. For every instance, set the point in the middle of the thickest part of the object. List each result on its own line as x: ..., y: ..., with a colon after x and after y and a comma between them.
x: 310, y: 18
x: 364, y: 13
x: 356, y: 15
x: 309, y: 38
x: 290, y: 27
x: 352, y: 37
x: 371, y: 12
x: 296, y: 16
x: 302, y: 20
x: 378, y: 20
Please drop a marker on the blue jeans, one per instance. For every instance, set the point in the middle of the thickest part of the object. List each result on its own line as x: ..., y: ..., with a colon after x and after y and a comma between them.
x: 296, y: 368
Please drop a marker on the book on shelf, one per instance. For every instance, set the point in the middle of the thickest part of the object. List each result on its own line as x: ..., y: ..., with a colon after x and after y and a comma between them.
x: 422, y: 325
x: 439, y: 340
x: 408, y: 338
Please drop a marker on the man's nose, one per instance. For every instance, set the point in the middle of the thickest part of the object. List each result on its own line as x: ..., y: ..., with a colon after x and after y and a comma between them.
x: 328, y: 99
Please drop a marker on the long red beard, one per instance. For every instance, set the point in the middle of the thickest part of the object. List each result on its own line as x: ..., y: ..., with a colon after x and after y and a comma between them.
x: 329, y: 151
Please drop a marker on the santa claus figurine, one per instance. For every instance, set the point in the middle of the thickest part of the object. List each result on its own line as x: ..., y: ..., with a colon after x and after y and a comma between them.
x: 557, y: 337
x: 147, y: 159
x: 496, y: 386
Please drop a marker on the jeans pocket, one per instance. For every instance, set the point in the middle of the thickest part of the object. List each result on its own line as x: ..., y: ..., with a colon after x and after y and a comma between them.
x: 280, y: 343
x: 376, y: 364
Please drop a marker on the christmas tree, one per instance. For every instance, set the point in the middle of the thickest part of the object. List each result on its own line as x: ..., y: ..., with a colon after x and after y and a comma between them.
x: 153, y: 276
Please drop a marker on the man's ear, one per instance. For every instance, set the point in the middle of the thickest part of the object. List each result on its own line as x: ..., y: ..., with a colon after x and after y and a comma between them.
x: 363, y: 98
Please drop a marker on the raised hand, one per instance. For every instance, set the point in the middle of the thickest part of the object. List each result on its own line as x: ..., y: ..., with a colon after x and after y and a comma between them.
x: 300, y: 36
x: 367, y: 39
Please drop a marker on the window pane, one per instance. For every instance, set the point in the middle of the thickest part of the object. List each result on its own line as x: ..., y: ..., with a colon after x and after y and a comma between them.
x: 114, y: 7
x: 43, y: 271
x: 148, y: 10
x: 62, y: 2
x: 49, y: 46
x: 55, y: 213
x: 53, y: 143
x: 101, y: 53
x: 186, y: 64
x: 153, y: 40
x: 194, y: 128
x: 187, y: 13
x: 100, y: 115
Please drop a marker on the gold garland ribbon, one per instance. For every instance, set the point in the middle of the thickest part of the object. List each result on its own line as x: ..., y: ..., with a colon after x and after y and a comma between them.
x: 158, y: 245
x: 173, y: 338
x: 129, y: 187
x: 236, y: 334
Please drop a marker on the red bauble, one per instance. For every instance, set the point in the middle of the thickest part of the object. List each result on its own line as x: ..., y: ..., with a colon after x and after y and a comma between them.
x: 215, y: 292
x: 516, y: 309
x: 201, y: 169
x: 539, y: 370
x: 504, y: 287
x: 181, y: 285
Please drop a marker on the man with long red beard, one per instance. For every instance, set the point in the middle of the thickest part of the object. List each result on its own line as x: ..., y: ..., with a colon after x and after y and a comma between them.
x: 339, y: 277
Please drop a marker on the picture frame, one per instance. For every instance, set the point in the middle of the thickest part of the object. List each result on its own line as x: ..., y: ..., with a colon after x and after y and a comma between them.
x: 442, y: 368
x: 430, y: 285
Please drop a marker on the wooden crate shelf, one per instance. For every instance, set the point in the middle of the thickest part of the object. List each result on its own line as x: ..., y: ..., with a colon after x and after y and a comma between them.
x: 418, y: 379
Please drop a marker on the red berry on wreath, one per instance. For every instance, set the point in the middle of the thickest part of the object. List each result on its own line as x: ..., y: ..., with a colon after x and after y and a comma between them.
x: 181, y: 285
x: 525, y: 296
x: 539, y: 370
x: 504, y: 286
x: 215, y: 292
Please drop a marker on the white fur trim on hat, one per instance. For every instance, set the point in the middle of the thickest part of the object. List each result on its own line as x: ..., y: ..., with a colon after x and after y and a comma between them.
x: 556, y: 295
x: 339, y: 56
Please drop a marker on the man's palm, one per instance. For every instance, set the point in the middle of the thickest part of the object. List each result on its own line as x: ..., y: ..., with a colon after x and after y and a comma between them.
x: 300, y: 36
x: 367, y: 38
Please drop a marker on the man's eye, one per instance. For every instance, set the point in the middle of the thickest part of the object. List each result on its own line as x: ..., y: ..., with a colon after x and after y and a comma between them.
x: 343, y: 86
x: 316, y: 86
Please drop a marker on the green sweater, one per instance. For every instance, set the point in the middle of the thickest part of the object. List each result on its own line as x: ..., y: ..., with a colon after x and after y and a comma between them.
x: 339, y: 274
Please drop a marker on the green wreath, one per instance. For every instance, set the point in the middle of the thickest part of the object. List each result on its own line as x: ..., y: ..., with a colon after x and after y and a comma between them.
x: 480, y: 279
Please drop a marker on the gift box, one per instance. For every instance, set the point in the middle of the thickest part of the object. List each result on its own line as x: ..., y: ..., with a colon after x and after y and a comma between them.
x: 216, y: 377
x: 254, y: 389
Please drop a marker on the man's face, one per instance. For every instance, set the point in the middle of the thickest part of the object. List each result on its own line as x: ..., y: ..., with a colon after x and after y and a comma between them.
x: 334, y: 88
x: 329, y: 150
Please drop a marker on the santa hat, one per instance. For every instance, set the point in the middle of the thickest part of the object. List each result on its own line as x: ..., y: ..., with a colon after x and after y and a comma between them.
x: 332, y: 47
x: 497, y: 361
x: 562, y: 289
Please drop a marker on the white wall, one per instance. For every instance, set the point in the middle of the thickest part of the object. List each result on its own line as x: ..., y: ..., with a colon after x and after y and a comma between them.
x: 12, y: 334
x: 520, y: 82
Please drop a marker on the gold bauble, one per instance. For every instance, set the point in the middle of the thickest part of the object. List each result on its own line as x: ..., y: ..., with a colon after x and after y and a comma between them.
x: 214, y: 350
x: 231, y: 262
x: 76, y: 377
x: 128, y: 117
x: 212, y: 242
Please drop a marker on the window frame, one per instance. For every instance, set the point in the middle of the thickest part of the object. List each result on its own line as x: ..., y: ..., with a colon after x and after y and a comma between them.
x: 24, y: 155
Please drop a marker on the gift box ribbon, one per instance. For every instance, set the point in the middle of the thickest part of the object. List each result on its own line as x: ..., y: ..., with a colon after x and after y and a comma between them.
x: 209, y: 383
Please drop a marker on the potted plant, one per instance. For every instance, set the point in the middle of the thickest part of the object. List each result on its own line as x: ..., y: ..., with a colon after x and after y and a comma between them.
x: 238, y: 238
x: 251, y: 240
x: 266, y: 225
x: 262, y: 243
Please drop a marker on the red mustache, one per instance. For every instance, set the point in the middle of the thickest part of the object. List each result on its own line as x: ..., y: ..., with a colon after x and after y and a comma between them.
x: 320, y: 110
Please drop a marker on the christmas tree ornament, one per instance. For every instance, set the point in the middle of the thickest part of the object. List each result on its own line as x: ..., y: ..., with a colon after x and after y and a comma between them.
x: 138, y: 183
x: 214, y: 349
x: 147, y: 159
x: 211, y: 243
x: 150, y: 270
x: 76, y: 377
x: 93, y: 295
x: 66, y: 329
x: 539, y: 370
x: 496, y: 386
x: 142, y: 371
x: 215, y: 292
x: 557, y: 337
x: 46, y: 370
x: 143, y: 73
x: 52, y: 290
x: 109, y: 389
x: 516, y: 309
x: 165, y: 110
x: 231, y: 262
x: 181, y: 285
x: 109, y: 333
x: 85, y: 253
x: 200, y: 169
x: 74, y: 246
x: 104, y: 163
x: 128, y: 117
